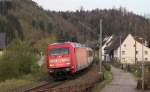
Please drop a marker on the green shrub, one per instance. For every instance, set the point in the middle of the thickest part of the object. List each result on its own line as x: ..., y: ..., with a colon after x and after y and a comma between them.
x: 41, y: 45
x: 8, y: 69
x: 135, y: 69
x: 116, y: 63
x: 35, y: 68
x: 18, y: 59
x: 107, y: 67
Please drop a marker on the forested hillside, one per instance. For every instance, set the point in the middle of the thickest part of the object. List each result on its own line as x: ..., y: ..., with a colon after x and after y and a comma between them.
x: 115, y: 21
x: 25, y: 20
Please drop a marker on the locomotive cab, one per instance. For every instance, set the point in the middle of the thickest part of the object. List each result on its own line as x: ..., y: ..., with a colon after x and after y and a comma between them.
x: 59, y: 59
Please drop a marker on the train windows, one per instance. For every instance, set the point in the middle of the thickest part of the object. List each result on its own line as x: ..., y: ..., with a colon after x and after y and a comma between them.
x: 59, y: 51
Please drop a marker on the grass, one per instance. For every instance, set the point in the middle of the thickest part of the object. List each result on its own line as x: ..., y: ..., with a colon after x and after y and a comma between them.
x: 136, y: 74
x: 10, y: 84
x: 135, y: 70
x: 7, y: 85
x: 108, y: 79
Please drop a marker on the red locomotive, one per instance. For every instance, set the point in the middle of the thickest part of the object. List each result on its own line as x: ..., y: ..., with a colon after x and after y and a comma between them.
x: 67, y: 58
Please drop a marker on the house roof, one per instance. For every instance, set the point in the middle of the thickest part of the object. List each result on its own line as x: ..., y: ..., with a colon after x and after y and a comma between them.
x: 115, y: 42
x: 2, y: 40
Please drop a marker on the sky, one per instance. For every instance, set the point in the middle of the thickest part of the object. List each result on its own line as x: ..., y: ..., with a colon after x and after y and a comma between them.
x: 137, y: 6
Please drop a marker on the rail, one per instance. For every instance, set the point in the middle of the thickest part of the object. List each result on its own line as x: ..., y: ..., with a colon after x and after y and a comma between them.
x: 44, y: 86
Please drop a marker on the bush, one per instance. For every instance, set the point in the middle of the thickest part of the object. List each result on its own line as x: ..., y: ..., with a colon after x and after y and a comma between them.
x: 135, y: 69
x: 42, y: 44
x: 18, y: 59
x: 116, y: 63
x: 107, y: 67
x: 8, y: 69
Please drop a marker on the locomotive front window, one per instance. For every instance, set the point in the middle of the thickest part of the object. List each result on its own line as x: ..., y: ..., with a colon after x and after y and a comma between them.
x: 59, y: 51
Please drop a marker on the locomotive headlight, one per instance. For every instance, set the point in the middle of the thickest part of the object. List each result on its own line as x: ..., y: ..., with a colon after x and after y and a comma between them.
x: 66, y: 60
x: 51, y: 65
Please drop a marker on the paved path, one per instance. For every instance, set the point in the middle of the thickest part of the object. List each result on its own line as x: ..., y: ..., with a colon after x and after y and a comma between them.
x: 122, y: 82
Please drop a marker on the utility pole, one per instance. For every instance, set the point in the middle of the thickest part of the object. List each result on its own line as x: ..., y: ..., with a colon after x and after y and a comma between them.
x: 120, y: 48
x: 143, y: 64
x: 100, y: 46
x: 142, y: 61
x: 135, y: 43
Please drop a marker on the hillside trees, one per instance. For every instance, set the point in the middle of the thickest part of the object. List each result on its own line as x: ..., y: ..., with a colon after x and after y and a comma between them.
x: 115, y: 21
x: 11, y: 26
x: 41, y: 45
x: 5, y: 5
x: 29, y: 22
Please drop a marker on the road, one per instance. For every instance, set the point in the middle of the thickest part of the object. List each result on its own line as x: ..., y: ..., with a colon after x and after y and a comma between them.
x: 122, y: 82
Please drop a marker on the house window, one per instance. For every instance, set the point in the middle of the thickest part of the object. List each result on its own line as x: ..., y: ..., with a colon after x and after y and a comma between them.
x: 137, y: 52
x: 123, y: 59
x: 124, y: 45
x: 123, y: 52
x: 146, y: 59
x: 145, y: 52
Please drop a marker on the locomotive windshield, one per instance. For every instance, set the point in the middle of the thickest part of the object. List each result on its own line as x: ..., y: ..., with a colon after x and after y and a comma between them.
x: 59, y: 51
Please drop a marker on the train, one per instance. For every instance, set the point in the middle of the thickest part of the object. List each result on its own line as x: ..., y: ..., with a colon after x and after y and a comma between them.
x: 67, y: 58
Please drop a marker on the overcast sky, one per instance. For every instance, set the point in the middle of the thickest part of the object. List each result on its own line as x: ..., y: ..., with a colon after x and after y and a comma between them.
x: 136, y: 6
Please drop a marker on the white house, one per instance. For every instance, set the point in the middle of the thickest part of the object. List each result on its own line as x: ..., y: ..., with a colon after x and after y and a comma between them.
x: 128, y: 50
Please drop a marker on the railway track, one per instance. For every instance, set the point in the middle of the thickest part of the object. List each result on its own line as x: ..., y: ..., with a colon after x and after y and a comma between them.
x: 83, y: 82
x: 45, y: 87
x: 54, y: 86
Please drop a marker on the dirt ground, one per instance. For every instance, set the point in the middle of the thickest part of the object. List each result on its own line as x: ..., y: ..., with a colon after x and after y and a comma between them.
x: 122, y: 82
